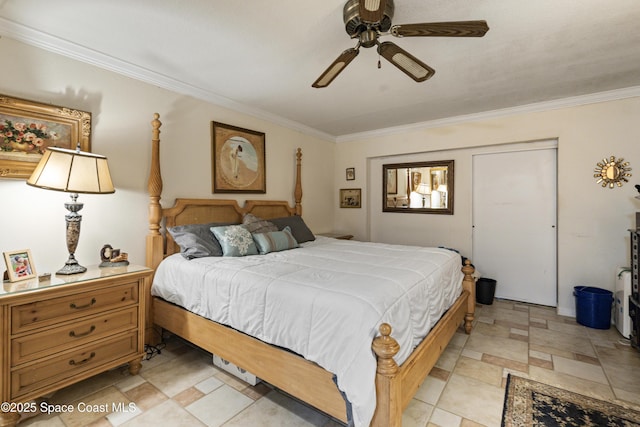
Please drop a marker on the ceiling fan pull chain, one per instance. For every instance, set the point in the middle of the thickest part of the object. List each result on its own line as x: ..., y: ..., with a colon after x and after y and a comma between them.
x: 379, y: 63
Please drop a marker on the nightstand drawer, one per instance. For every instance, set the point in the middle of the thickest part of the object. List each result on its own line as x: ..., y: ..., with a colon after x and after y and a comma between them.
x: 73, y: 334
x: 64, y: 367
x: 55, y: 310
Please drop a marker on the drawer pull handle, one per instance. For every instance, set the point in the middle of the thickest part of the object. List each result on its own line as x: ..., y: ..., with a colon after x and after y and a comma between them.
x: 80, y: 307
x: 74, y: 363
x: 74, y: 335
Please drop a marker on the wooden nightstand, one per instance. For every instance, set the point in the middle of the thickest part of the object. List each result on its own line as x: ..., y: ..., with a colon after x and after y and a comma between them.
x: 64, y: 330
x: 340, y: 236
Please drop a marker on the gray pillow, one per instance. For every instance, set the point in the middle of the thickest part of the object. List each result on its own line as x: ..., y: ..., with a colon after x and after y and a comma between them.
x: 298, y: 228
x: 196, y: 240
x: 257, y: 225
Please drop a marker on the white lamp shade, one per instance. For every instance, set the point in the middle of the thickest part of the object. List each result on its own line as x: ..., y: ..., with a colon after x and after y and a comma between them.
x: 72, y: 171
x: 423, y: 188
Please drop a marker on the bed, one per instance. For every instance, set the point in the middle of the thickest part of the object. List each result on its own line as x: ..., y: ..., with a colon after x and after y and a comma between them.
x: 392, y: 386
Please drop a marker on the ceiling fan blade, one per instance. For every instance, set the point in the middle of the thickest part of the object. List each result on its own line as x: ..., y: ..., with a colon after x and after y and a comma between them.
x: 336, y: 67
x: 441, y: 29
x: 372, y: 11
x: 409, y: 64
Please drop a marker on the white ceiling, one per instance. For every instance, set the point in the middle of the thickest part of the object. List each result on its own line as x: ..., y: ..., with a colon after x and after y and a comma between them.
x: 260, y: 57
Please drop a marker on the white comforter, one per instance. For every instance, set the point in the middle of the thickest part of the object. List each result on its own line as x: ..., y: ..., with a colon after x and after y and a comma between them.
x: 324, y: 301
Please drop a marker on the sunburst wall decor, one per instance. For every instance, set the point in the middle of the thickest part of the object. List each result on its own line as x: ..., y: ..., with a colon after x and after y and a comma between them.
x: 612, y: 172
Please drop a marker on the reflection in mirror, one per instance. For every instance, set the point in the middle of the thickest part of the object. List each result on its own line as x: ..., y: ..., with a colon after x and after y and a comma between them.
x: 419, y: 187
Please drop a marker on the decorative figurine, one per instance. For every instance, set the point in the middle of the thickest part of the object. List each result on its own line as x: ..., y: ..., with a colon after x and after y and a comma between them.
x: 113, y: 257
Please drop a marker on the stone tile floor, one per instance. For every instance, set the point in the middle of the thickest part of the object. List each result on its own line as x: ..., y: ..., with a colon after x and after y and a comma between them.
x: 181, y: 387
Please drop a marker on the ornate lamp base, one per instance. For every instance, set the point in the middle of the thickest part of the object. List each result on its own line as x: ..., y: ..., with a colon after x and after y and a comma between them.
x: 73, y: 219
x: 71, y: 267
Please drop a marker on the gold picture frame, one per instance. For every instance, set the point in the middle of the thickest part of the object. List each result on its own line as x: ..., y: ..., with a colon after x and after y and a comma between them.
x: 350, y: 198
x: 27, y: 128
x: 20, y: 265
x: 238, y: 164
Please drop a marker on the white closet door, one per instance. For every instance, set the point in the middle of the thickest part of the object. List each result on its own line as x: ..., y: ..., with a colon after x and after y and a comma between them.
x: 514, y: 220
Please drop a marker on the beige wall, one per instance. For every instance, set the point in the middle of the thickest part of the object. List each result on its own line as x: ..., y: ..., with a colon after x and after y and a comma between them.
x: 592, y: 221
x: 122, y: 110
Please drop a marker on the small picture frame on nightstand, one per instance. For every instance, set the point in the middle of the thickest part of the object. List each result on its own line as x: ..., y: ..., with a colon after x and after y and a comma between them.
x: 20, y: 265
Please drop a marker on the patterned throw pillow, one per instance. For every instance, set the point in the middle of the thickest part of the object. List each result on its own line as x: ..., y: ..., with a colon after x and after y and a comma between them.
x: 257, y: 225
x: 235, y: 240
x: 275, y: 241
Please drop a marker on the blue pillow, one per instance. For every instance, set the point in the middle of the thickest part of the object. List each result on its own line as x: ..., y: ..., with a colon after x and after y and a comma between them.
x: 235, y: 240
x: 275, y: 241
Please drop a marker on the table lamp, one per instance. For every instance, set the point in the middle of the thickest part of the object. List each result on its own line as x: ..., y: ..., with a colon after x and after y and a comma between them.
x: 424, y: 190
x: 72, y: 171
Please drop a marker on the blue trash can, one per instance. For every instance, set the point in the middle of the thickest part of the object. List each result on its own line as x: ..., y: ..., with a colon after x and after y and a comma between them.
x: 593, y: 306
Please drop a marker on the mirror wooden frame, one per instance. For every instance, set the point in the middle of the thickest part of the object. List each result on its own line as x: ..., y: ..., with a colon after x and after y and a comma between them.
x: 393, y: 182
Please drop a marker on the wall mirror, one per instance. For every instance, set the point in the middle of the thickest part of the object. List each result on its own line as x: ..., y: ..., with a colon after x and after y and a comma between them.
x: 419, y: 187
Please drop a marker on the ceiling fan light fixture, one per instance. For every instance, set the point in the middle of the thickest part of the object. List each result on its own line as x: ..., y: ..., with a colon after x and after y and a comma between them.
x: 361, y: 14
x: 371, y: 5
x: 372, y: 11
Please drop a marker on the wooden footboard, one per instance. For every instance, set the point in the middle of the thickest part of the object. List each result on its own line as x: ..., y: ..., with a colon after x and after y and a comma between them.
x: 396, y: 385
x: 280, y: 368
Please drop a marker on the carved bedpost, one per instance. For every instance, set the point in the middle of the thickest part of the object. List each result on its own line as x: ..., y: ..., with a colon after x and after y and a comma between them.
x: 469, y: 284
x: 155, y: 244
x: 388, y: 387
x: 298, y: 191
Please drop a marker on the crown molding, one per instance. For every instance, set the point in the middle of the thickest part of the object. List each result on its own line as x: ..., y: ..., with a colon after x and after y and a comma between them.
x: 74, y: 51
x: 612, y: 95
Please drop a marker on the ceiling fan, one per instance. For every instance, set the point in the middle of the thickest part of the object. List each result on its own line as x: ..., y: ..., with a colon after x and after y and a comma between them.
x: 367, y: 20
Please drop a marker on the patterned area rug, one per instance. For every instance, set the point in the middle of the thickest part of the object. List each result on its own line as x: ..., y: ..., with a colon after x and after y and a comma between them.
x: 530, y: 403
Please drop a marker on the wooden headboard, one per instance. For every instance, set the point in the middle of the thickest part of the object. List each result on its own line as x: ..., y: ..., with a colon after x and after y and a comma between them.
x: 202, y: 211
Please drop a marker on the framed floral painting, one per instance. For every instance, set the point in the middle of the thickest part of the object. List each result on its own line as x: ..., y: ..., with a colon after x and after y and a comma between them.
x: 27, y: 128
x: 238, y: 159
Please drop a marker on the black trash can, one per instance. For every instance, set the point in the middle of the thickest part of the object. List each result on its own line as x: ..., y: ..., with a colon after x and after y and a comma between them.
x: 485, y: 290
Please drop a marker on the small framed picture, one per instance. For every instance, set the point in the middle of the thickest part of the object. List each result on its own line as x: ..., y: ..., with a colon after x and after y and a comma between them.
x: 350, y: 198
x: 351, y: 174
x: 19, y: 265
